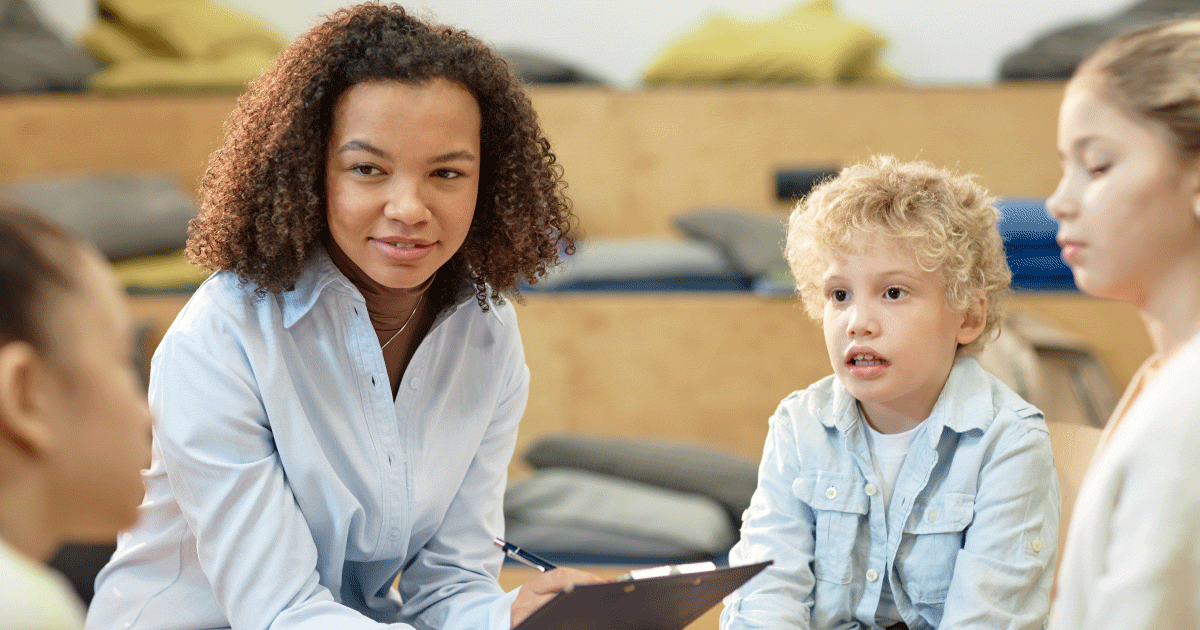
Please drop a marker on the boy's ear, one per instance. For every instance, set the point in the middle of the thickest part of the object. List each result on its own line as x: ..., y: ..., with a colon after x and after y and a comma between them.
x: 974, y: 320
x: 23, y: 400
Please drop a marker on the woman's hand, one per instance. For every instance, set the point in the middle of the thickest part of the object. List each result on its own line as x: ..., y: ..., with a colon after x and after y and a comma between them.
x: 543, y: 588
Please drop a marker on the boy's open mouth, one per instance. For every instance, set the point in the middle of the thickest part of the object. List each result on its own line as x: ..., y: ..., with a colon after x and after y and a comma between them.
x: 864, y: 359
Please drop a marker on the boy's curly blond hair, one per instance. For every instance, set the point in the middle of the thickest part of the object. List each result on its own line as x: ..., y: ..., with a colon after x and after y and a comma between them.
x: 947, y: 219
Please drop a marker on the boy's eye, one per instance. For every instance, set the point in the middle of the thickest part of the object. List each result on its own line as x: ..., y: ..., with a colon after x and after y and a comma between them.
x: 895, y: 293
x: 839, y: 295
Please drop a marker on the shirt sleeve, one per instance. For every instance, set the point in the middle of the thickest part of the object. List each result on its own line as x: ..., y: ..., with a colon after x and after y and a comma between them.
x: 451, y: 582
x: 252, y: 540
x: 1004, y: 571
x: 779, y: 527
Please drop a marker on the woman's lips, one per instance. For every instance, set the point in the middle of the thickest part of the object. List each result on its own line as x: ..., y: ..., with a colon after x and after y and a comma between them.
x: 403, y: 250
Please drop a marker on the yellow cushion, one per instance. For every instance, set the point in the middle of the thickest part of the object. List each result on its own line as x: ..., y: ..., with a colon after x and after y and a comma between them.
x: 230, y: 73
x: 811, y: 43
x: 159, y: 273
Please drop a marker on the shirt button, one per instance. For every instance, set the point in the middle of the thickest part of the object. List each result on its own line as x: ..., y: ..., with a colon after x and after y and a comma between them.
x: 1036, y: 545
x: 745, y: 515
x: 394, y: 534
x: 932, y: 515
x: 831, y: 492
x: 414, y: 382
x: 871, y: 490
x: 872, y: 575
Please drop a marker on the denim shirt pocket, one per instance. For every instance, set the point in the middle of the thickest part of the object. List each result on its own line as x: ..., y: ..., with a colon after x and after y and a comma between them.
x: 839, y: 503
x: 933, y: 535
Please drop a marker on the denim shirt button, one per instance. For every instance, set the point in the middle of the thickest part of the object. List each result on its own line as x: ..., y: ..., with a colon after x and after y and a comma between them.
x: 932, y: 515
x: 1036, y: 545
x: 872, y: 575
x: 831, y: 493
x: 871, y: 490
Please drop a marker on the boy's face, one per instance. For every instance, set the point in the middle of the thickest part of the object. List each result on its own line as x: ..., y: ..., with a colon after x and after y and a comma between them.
x: 891, y: 336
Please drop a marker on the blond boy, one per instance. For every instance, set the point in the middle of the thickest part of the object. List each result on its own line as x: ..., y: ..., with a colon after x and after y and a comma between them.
x: 910, y: 489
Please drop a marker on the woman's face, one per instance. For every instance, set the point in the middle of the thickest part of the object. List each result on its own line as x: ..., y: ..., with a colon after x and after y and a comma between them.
x: 97, y: 406
x: 1126, y: 202
x: 402, y: 176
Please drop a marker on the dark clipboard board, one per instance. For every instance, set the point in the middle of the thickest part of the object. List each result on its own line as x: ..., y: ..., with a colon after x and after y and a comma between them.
x: 670, y: 602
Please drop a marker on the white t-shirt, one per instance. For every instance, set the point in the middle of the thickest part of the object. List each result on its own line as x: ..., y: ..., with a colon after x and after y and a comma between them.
x: 887, y: 455
x: 33, y: 596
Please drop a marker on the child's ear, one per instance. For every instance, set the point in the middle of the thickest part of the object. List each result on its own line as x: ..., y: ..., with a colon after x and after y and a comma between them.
x: 23, y: 400
x: 974, y: 320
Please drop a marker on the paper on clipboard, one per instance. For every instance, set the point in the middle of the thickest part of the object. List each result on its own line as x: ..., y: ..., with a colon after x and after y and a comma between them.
x: 669, y: 602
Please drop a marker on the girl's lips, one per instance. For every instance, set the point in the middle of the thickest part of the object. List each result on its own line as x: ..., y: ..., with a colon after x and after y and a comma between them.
x: 1070, y: 251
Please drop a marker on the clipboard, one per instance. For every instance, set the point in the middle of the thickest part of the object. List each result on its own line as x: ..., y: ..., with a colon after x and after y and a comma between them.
x: 669, y: 602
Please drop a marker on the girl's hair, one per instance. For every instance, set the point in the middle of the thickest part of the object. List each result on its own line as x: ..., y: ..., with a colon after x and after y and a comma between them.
x: 1154, y: 73
x: 36, y: 258
x: 947, y: 220
x: 263, y: 205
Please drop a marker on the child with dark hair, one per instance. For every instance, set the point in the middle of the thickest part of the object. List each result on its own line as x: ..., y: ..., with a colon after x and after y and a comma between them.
x: 338, y: 404
x: 74, y: 425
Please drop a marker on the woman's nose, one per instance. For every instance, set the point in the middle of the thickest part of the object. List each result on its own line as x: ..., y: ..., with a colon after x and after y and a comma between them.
x: 406, y: 204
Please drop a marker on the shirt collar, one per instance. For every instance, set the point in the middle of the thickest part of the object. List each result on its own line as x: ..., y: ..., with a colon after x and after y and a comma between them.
x: 320, y: 274
x: 964, y: 404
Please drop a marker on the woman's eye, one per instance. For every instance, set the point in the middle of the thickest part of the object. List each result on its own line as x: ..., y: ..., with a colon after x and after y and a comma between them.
x: 894, y: 293
x: 364, y: 169
x: 839, y: 295
x: 446, y: 173
x: 1096, y: 171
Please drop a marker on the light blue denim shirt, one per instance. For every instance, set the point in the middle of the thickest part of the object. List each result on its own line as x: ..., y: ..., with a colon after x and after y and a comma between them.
x: 288, y: 488
x: 970, y: 538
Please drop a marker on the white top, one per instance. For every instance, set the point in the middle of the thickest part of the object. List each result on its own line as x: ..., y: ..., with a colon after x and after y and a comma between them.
x: 887, y: 456
x: 1132, y: 557
x: 33, y: 596
x: 288, y: 488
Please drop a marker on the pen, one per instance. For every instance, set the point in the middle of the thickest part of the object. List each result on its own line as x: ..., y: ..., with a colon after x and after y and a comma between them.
x: 522, y: 556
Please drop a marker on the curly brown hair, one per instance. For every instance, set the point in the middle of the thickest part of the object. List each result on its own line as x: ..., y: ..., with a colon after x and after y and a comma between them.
x: 263, y: 205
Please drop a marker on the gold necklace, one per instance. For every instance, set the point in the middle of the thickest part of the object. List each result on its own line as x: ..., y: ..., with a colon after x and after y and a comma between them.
x: 405, y: 325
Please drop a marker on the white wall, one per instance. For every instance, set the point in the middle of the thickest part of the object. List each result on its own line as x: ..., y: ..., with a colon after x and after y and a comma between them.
x: 930, y: 41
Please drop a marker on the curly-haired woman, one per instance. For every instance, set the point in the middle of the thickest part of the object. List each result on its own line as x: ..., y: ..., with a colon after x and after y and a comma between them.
x: 338, y: 404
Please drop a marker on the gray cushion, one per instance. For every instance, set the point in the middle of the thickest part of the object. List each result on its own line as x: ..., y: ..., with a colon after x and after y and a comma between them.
x: 566, y: 511
x: 723, y: 477
x: 125, y: 215
x: 752, y: 242
x: 639, y: 258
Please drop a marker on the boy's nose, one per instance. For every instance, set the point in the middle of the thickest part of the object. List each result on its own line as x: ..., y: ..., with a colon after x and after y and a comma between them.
x: 861, y: 323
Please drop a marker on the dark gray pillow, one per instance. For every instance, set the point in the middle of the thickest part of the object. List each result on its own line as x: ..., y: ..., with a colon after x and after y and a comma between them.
x: 125, y: 215
x: 567, y: 511
x: 753, y: 242
x: 725, y: 478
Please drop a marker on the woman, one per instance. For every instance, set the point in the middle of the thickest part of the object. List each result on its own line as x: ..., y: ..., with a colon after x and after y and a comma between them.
x: 1129, y: 207
x: 74, y: 425
x: 338, y: 404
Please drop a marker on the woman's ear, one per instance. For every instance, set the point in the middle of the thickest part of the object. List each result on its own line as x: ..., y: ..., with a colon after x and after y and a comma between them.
x: 24, y: 423
x: 974, y: 320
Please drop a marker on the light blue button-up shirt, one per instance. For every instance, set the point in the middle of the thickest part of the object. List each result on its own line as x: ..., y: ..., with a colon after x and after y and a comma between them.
x: 968, y: 542
x: 288, y: 488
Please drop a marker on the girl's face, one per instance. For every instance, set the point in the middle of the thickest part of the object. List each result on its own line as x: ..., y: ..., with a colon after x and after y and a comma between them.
x: 402, y: 176
x: 97, y: 406
x: 1126, y: 202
